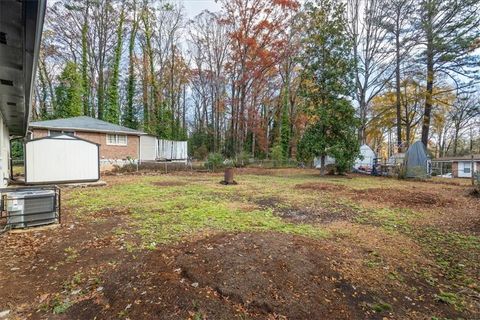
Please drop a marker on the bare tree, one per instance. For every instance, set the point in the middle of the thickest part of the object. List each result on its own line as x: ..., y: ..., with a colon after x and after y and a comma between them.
x: 371, y: 53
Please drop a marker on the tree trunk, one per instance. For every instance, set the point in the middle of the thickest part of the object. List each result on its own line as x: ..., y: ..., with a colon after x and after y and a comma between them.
x: 322, y: 165
x: 397, y: 87
x: 430, y: 79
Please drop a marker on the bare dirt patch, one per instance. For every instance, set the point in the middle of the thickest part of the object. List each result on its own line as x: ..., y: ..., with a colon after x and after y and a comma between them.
x: 335, y: 212
x: 272, y: 274
x: 37, y: 265
x: 329, y: 187
x: 308, y: 214
x: 294, y: 277
x: 404, y: 198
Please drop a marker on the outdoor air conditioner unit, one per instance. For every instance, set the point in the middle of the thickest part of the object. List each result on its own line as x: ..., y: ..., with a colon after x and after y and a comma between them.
x: 29, y: 208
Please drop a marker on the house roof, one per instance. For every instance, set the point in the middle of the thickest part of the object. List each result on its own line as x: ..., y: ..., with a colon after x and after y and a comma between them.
x: 21, y: 23
x: 84, y: 123
x: 476, y: 157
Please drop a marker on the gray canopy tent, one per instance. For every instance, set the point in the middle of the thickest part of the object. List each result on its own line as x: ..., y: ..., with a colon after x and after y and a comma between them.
x: 417, y: 161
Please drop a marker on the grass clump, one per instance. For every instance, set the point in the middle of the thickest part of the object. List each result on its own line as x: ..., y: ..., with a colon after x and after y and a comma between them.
x: 381, y: 306
x: 450, y: 298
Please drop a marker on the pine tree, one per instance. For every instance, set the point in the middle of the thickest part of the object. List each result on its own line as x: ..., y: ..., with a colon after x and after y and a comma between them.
x: 326, y: 84
x: 69, y: 92
x: 112, y: 110
x: 450, y: 30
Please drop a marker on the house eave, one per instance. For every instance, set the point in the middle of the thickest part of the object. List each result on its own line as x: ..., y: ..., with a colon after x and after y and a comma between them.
x: 89, y: 130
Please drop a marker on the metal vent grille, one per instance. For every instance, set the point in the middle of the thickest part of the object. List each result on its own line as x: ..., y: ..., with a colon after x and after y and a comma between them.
x: 6, y: 82
x: 39, y: 205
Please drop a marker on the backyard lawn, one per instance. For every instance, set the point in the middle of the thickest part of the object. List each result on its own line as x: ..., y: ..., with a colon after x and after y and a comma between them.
x: 282, y: 244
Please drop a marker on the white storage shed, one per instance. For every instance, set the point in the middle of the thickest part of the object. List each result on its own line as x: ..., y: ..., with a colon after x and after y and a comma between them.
x: 61, y: 159
x: 365, y: 162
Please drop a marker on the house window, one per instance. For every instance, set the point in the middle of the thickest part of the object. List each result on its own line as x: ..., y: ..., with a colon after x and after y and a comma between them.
x: 55, y: 133
x: 466, y: 169
x: 116, y: 140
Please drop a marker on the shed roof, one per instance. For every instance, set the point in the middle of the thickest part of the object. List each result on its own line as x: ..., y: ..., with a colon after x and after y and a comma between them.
x: 458, y: 158
x: 84, y: 123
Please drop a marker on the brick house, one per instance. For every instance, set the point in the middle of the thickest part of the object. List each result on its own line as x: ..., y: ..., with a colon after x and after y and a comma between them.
x: 461, y: 166
x: 118, y: 145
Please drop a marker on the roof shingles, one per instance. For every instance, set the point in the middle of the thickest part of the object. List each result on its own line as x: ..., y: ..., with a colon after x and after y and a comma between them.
x: 84, y: 123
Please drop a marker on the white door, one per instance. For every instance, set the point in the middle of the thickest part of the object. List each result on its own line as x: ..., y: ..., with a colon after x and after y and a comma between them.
x: 465, y: 169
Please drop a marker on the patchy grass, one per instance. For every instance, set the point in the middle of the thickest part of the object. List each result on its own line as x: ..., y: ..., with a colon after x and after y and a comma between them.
x: 172, y: 212
x: 395, y: 249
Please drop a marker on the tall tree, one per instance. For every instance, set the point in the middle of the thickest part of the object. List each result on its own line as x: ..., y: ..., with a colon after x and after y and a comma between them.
x: 208, y: 48
x: 257, y: 32
x: 370, y: 52
x: 129, y: 118
x: 85, y: 77
x: 69, y: 92
x: 397, y: 22
x: 327, y: 83
x: 450, y: 30
x: 112, y: 111
x: 464, y: 110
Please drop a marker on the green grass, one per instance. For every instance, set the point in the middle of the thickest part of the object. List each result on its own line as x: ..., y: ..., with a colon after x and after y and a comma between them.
x: 164, y: 214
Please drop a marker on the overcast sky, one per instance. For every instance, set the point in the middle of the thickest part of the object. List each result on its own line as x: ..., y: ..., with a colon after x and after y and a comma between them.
x: 194, y: 7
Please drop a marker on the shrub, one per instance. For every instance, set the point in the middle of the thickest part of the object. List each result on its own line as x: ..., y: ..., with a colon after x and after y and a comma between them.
x: 214, y: 161
x: 243, y: 159
x: 17, y: 149
x: 200, y: 153
x: 277, y: 154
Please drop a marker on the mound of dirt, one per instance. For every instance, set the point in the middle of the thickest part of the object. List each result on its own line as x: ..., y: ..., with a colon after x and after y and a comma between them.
x: 404, y: 198
x: 271, y: 273
x: 329, y: 187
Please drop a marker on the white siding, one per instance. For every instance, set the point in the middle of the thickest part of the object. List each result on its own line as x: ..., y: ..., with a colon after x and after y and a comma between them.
x: 4, y: 154
x: 61, y: 159
x: 368, y: 157
x: 465, y: 169
x: 148, y: 148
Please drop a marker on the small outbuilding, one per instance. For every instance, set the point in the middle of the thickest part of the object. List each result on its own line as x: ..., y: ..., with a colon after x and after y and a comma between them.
x: 118, y: 145
x: 417, y: 162
x: 61, y: 159
x: 365, y: 162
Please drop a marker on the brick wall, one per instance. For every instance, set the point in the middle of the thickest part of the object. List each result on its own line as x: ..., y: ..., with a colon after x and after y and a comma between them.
x: 107, y: 152
x: 39, y: 133
x: 455, y: 169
